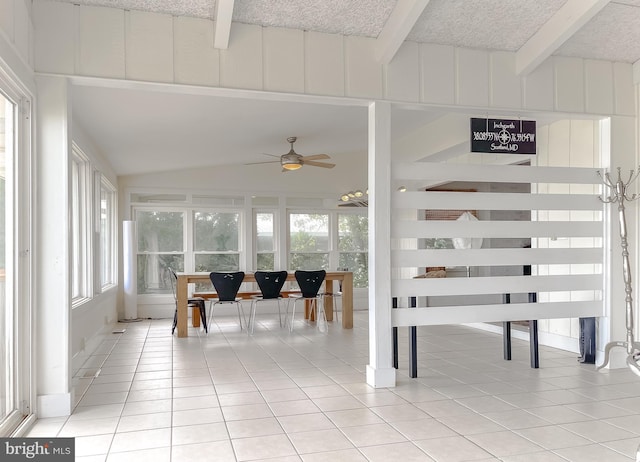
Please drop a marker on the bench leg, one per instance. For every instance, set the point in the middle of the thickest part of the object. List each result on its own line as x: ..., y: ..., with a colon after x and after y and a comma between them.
x: 195, y: 316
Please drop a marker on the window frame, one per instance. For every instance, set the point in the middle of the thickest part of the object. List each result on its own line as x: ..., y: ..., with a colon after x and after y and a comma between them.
x: 275, y: 251
x: 108, y: 244
x: 81, y: 226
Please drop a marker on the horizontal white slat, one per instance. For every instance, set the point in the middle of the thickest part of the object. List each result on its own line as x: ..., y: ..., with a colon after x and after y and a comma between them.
x: 494, y: 285
x: 402, y: 317
x: 495, y: 229
x: 493, y: 257
x: 438, y: 200
x: 493, y: 173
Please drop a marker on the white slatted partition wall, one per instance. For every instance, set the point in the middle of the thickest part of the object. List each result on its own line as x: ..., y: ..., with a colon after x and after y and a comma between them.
x: 573, y: 289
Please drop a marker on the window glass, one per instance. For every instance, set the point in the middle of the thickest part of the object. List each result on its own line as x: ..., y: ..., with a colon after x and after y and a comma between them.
x: 160, y: 246
x: 216, y: 242
x: 160, y: 231
x: 353, y: 236
x: 265, y: 241
x: 107, y: 234
x: 308, y: 241
x: 216, y: 232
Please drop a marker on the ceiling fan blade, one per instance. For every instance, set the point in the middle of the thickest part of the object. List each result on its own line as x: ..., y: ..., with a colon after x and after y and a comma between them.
x: 271, y: 155
x: 266, y: 162
x: 319, y: 164
x: 315, y: 157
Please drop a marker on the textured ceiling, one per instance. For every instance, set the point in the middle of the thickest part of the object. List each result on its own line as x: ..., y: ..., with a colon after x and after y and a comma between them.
x: 503, y: 25
x: 613, y: 34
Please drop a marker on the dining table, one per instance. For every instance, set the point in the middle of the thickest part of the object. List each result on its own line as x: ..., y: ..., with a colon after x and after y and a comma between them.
x: 343, y: 277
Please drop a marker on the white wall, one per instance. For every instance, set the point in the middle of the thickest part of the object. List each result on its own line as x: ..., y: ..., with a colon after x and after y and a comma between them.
x: 92, y: 320
x: 567, y: 143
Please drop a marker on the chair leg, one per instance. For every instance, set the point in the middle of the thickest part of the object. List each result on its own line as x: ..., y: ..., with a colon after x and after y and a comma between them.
x: 252, y: 315
x: 241, y: 311
x: 175, y: 321
x: 323, y: 325
x: 203, y: 316
x: 211, y: 304
x: 279, y: 313
x: 293, y: 313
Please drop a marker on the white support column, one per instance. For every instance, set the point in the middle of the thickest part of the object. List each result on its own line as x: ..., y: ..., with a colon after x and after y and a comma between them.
x: 53, y: 307
x: 380, y: 371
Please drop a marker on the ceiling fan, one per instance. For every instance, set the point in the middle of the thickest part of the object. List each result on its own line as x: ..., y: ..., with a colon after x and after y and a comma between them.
x: 293, y: 161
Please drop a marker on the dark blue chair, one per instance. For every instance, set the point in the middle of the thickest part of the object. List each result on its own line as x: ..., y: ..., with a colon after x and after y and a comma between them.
x: 309, y: 283
x: 227, y: 285
x: 270, y: 284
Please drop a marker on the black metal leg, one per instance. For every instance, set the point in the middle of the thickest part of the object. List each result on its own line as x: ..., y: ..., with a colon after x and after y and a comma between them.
x: 506, y: 332
x: 533, y: 343
x: 394, y: 304
x: 506, y: 340
x: 413, y: 345
x: 533, y: 336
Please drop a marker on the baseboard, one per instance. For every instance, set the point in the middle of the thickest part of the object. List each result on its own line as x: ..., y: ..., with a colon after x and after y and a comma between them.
x: 58, y: 405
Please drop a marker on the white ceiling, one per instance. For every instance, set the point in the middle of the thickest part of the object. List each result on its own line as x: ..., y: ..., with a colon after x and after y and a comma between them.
x: 133, y: 123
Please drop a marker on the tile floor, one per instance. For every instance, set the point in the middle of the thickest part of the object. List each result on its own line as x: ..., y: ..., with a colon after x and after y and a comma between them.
x: 276, y: 396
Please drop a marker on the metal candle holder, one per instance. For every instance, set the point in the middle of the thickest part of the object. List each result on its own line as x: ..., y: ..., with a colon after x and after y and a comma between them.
x: 618, y: 194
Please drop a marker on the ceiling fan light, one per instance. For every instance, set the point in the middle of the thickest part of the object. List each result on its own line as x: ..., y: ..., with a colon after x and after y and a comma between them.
x: 291, y: 166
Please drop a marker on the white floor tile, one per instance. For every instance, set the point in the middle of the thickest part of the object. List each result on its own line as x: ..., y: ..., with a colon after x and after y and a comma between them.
x: 406, y: 452
x: 319, y: 441
x: 144, y: 439
x: 204, y: 433
x: 254, y: 427
x: 218, y: 451
x: 144, y: 422
x: 287, y: 397
x: 262, y: 447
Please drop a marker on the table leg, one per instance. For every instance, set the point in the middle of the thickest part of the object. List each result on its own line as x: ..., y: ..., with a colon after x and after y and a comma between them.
x: 195, y: 316
x: 328, y: 300
x: 347, y: 301
x: 181, y: 291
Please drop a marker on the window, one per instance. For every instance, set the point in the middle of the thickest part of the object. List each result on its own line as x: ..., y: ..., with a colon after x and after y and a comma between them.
x: 308, y: 241
x: 80, y: 227
x: 265, y: 241
x: 160, y: 246
x: 108, y: 252
x: 216, y: 241
x: 353, y: 235
x: 16, y: 231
